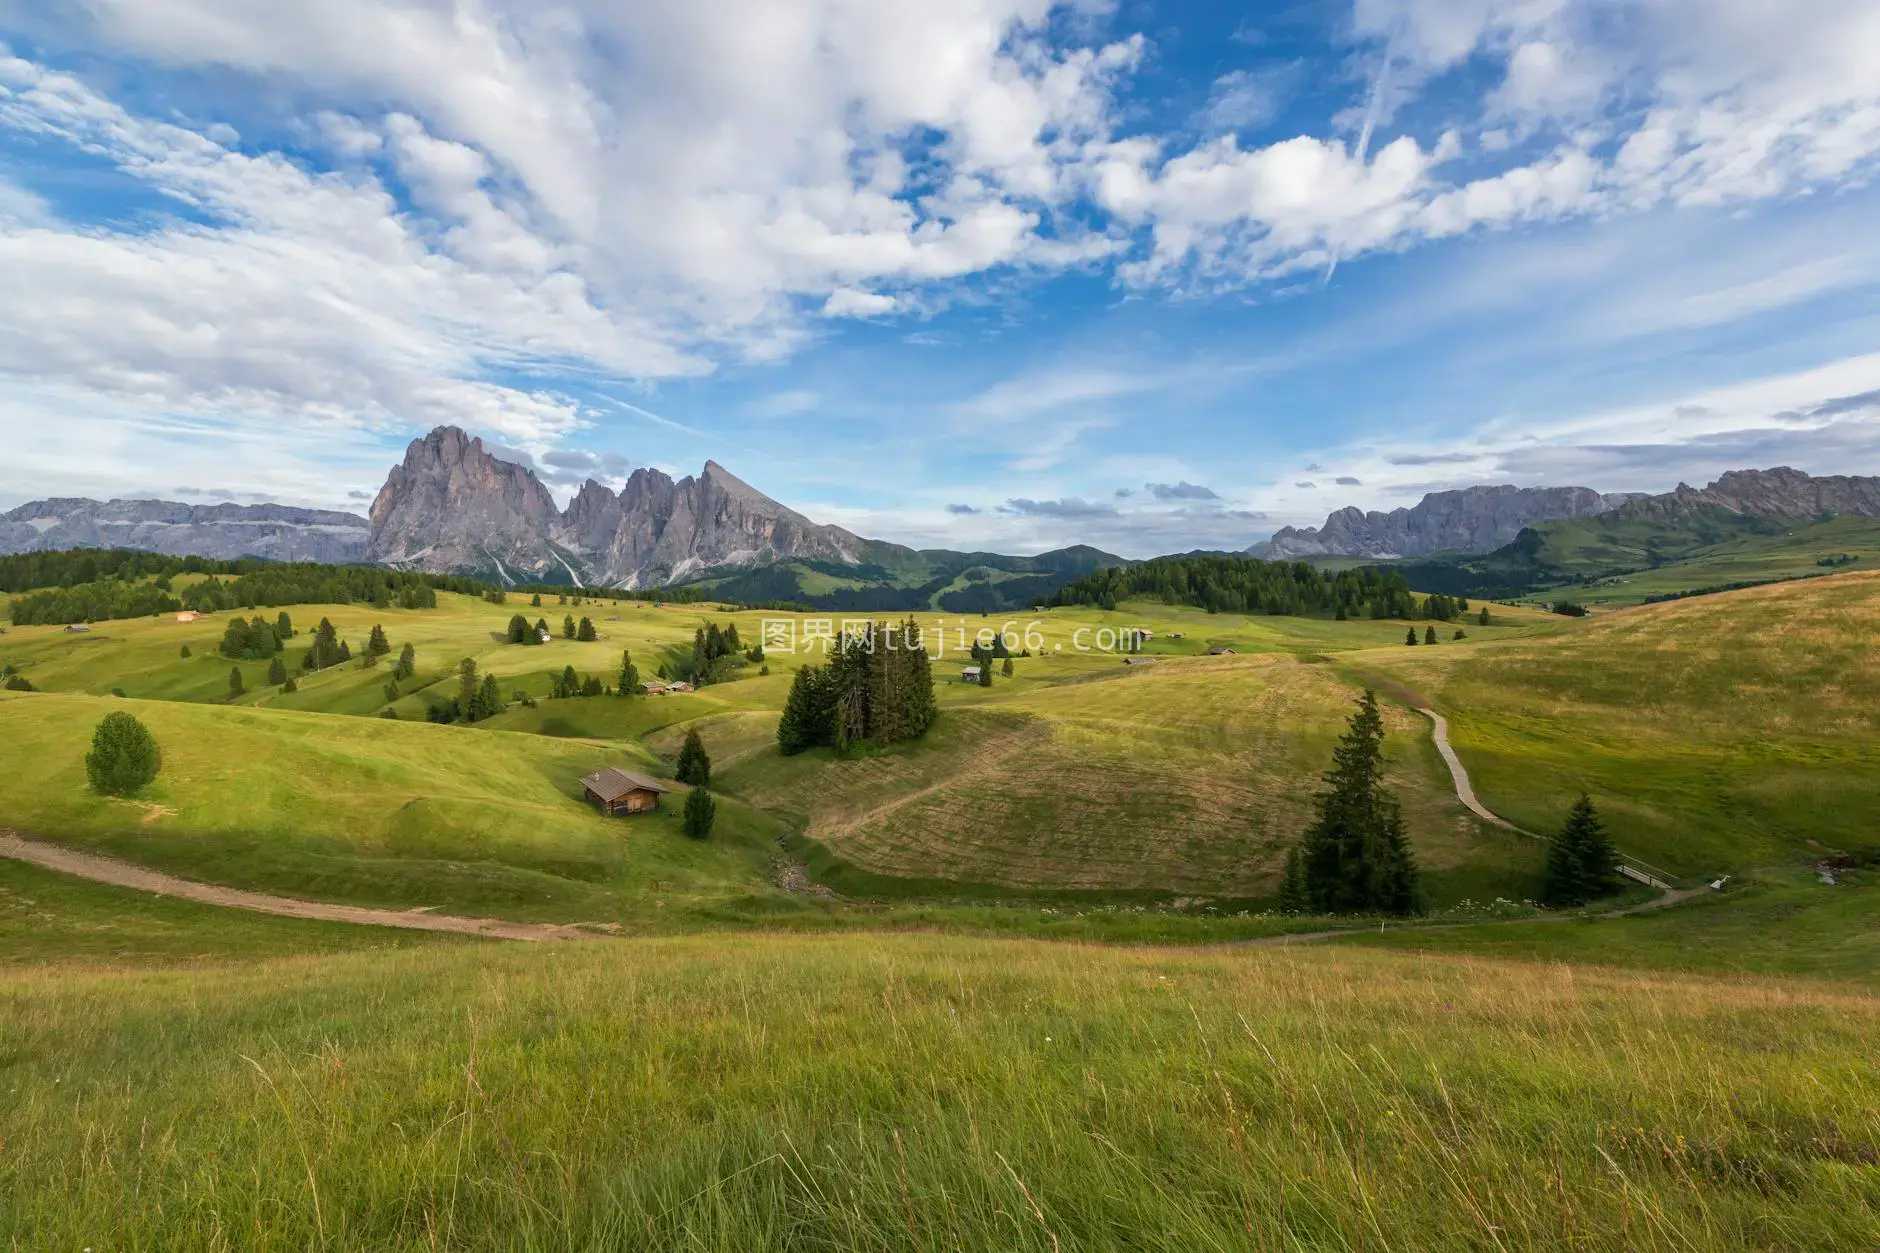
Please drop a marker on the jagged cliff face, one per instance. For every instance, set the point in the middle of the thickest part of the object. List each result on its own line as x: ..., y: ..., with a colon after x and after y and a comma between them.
x: 1783, y: 492
x: 452, y: 506
x: 223, y: 532
x: 657, y: 531
x: 1474, y: 519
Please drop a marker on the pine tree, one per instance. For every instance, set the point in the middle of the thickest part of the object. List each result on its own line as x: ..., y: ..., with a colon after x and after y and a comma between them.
x: 235, y: 686
x: 467, y: 688
x: 1293, y: 897
x: 292, y: 685
x: 1410, y: 636
x: 277, y: 673
x: 1006, y: 669
x: 1429, y: 635
x: 1483, y: 617
x: 391, y: 692
x: 586, y: 632
x: 407, y: 664
x: 694, y: 766
x: 1582, y: 864
x: 808, y: 715
x: 567, y: 627
x: 701, y: 811
x: 732, y: 644
x: 1356, y: 855
x: 376, y: 643
x: 592, y: 686
x: 123, y: 756
x: 629, y: 675
x: 519, y: 632
x: 284, y: 627
x: 489, y: 698
x: 985, y: 673
x: 569, y: 684
x: 535, y: 601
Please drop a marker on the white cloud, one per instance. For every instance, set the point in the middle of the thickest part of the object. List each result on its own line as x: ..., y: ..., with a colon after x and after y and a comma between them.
x: 847, y: 302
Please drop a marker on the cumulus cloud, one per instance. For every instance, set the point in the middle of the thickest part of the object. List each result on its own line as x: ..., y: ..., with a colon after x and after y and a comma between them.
x: 1068, y: 507
x: 1180, y: 491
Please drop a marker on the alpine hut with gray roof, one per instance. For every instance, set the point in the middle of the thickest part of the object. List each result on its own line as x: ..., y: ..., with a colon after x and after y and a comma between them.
x: 616, y: 791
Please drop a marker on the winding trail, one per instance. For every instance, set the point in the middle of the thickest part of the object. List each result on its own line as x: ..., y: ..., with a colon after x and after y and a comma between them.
x: 125, y: 875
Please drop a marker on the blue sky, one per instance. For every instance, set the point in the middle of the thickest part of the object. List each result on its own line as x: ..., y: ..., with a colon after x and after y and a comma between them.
x: 992, y: 273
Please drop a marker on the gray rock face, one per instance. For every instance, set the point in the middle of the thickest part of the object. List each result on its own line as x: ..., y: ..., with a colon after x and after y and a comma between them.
x: 223, y: 532
x: 451, y: 506
x: 1782, y: 492
x: 1473, y: 519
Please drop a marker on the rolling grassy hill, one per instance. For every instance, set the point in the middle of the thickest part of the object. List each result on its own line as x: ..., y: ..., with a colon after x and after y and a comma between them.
x: 1716, y: 733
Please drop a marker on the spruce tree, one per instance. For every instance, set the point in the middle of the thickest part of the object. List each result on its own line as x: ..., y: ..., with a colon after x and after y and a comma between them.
x: 535, y: 601
x: 586, y: 632
x: 1293, y: 897
x: 541, y: 629
x: 519, y: 632
x: 1410, y: 636
x: 467, y: 688
x: 694, y: 766
x: 985, y: 673
x: 567, y: 627
x: 292, y: 685
x: 407, y: 663
x: 123, y: 756
x: 1006, y: 669
x: 277, y: 673
x: 569, y: 684
x: 185, y: 652
x: 1483, y: 617
x: 1429, y: 635
x: 284, y: 627
x: 701, y: 811
x: 1582, y: 864
x: 808, y: 715
x: 489, y: 698
x: 235, y: 686
x: 1356, y: 854
x: 629, y: 674
x: 376, y: 643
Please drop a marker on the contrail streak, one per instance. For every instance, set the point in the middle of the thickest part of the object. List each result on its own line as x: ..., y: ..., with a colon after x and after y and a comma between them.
x: 1371, y: 108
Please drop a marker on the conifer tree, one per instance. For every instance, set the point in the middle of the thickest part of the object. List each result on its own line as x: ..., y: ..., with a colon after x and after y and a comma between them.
x: 1483, y: 617
x: 1006, y: 669
x: 1293, y: 897
x: 586, y: 631
x: 567, y: 627
x: 629, y: 674
x: 732, y: 645
x: 694, y: 766
x: 1582, y: 864
x: 284, y: 627
x: 277, y: 673
x: 541, y: 629
x: 292, y: 685
x: 376, y: 643
x: 985, y: 673
x: 1356, y: 855
x: 1410, y: 636
x: 701, y: 811
x: 391, y: 692
x: 592, y: 686
x: 123, y: 755
x: 569, y: 684
x: 407, y: 663
x: 1429, y: 635
x: 489, y: 698
x: 235, y: 686
x: 1460, y: 634
x: 519, y: 632
x: 185, y: 650
x: 808, y: 716
x: 535, y: 601
x: 467, y: 688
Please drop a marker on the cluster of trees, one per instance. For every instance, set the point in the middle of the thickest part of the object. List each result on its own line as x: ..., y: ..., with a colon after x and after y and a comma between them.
x: 310, y: 584
x: 1222, y: 584
x: 1355, y: 858
x: 877, y: 685
x: 476, y: 698
x: 72, y: 566
x: 256, y: 639
x: 91, y: 602
x: 568, y: 684
x: 1444, y: 608
x: 715, y: 654
x: 520, y: 632
x: 327, y: 649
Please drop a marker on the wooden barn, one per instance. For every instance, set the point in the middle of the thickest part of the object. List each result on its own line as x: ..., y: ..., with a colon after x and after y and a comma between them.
x: 616, y: 791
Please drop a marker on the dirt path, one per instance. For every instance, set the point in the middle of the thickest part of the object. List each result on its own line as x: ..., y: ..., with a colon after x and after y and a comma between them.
x: 125, y: 875
x: 1465, y: 791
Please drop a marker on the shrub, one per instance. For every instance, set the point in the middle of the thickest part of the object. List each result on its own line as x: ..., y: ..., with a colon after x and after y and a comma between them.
x: 185, y: 650
x: 18, y: 683
x: 1569, y: 609
x: 123, y: 756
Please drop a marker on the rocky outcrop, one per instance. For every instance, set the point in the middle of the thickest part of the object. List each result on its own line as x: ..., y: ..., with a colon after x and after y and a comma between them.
x: 452, y: 506
x: 1472, y: 520
x: 223, y: 532
x: 1783, y: 493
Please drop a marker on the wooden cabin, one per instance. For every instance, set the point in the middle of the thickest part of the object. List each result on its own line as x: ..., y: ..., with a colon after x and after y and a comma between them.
x: 616, y: 791
x: 969, y: 674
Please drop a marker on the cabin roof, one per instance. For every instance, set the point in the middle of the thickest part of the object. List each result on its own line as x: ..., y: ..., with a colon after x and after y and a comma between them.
x: 610, y: 783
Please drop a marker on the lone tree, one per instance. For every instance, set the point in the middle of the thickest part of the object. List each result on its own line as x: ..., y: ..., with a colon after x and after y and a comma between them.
x: 1582, y: 864
x: 519, y: 632
x: 467, y: 689
x: 406, y: 664
x: 1483, y: 617
x: 1410, y: 636
x: 695, y: 767
x: 585, y: 633
x: 123, y: 757
x: 629, y: 674
x: 567, y: 627
x: 1356, y: 855
x: 277, y: 673
x: 1006, y: 669
x: 1429, y: 635
x: 235, y: 686
x: 700, y: 812
x: 1293, y: 896
x: 376, y: 643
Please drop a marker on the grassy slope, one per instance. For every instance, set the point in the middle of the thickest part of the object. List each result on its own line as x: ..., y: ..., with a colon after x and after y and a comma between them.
x: 368, y: 810
x: 1716, y: 733
x: 918, y: 1092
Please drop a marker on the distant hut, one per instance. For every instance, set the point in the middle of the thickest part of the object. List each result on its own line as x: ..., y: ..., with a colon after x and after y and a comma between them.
x: 618, y: 791
x: 188, y: 615
x: 1137, y: 661
x: 1220, y: 650
x: 680, y: 686
x: 76, y: 628
x: 970, y: 674
x: 653, y: 688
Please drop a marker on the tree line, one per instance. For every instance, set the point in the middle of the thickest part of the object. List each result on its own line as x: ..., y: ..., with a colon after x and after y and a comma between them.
x: 1229, y: 584
x: 877, y: 685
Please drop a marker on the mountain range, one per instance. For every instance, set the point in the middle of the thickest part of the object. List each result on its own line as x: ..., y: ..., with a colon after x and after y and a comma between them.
x: 276, y: 532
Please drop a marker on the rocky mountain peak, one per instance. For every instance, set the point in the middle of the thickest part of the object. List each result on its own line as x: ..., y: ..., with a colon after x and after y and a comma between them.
x: 451, y: 505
